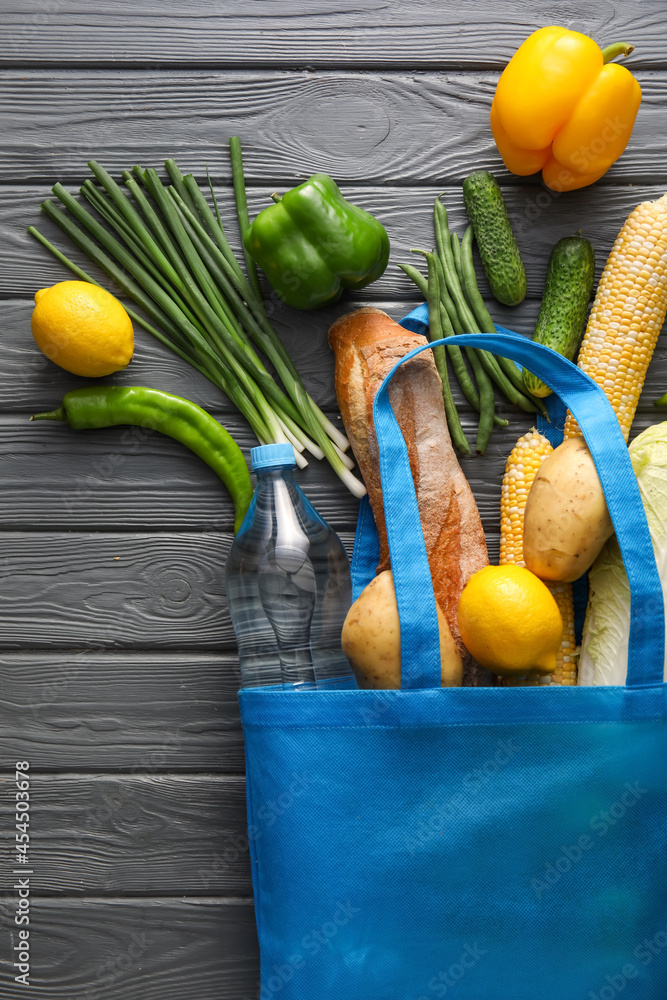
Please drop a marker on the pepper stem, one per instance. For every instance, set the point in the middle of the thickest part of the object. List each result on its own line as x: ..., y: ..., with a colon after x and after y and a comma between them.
x: 58, y: 414
x: 277, y: 197
x: 617, y: 49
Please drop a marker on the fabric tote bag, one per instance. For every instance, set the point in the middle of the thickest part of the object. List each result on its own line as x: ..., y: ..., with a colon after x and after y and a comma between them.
x: 468, y: 843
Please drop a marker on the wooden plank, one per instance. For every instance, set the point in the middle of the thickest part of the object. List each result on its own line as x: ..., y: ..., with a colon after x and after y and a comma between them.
x: 162, y: 591
x: 397, y: 128
x: 437, y: 34
x: 29, y: 383
x: 113, y: 479
x: 539, y: 220
x: 148, y: 835
x: 143, y: 712
x: 100, y: 591
x: 65, y: 590
x: 101, y: 949
x: 57, y: 479
x: 131, y: 477
x: 118, y: 478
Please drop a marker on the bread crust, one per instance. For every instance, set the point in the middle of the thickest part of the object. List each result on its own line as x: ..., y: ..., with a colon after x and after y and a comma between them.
x: 367, y: 343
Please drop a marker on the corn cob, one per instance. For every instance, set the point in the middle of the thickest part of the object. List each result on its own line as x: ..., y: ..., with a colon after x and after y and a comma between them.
x: 628, y: 312
x: 525, y: 459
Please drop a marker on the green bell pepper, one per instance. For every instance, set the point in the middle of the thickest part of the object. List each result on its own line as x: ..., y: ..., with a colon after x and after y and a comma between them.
x: 311, y: 244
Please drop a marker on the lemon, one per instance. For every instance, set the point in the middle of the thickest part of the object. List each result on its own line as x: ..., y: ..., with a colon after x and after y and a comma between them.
x: 509, y: 621
x: 83, y: 328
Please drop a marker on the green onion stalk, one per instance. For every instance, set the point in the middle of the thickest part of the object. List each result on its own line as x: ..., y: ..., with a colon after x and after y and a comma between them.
x: 167, y: 250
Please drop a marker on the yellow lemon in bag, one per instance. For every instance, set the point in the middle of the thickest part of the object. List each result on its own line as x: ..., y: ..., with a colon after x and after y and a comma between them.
x: 509, y: 621
x: 82, y: 328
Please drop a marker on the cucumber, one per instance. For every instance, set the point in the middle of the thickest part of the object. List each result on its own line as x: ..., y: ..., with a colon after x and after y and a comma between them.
x: 567, y: 292
x: 497, y: 247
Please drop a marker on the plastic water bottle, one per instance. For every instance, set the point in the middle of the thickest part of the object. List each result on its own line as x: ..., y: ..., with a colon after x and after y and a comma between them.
x: 288, y: 584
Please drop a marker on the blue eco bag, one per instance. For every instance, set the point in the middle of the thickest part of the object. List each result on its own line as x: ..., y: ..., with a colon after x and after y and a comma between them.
x: 468, y: 843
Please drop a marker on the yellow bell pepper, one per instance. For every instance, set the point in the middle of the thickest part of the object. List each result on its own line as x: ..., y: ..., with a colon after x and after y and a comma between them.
x: 561, y: 107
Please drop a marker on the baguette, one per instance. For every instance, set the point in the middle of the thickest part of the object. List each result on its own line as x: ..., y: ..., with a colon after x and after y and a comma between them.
x: 367, y: 344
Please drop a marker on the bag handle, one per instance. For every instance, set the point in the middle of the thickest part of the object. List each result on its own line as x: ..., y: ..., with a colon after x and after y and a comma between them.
x: 420, y: 647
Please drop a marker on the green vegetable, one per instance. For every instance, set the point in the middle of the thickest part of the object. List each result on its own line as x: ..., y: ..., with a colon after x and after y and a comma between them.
x: 495, y: 367
x: 242, y: 209
x: 110, y: 405
x: 311, y: 244
x: 604, y: 649
x: 168, y: 252
x: 567, y: 292
x: 456, y: 254
x: 436, y: 332
x: 497, y: 246
x: 461, y: 309
x: 481, y: 400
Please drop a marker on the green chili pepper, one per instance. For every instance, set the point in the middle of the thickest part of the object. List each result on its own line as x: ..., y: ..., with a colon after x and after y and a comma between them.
x: 312, y: 244
x: 109, y: 405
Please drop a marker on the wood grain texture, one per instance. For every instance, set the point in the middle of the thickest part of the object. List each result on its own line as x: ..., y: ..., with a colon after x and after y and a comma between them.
x: 372, y: 128
x: 61, y: 480
x: 139, y: 712
x: 139, y: 835
x: 148, y: 949
x: 424, y: 33
x: 129, y: 477
x: 118, y: 675
x: 29, y: 383
x: 539, y: 220
x: 66, y: 590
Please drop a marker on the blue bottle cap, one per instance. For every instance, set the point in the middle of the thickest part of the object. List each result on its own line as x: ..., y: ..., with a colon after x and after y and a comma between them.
x: 268, y: 456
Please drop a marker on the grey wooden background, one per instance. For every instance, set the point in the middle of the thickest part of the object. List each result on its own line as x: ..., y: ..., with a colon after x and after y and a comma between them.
x: 117, y: 665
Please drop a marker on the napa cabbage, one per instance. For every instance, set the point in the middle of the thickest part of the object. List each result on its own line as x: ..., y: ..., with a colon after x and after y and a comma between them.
x: 604, y: 648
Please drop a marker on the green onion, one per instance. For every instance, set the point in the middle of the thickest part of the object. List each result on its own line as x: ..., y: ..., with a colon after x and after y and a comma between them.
x: 242, y: 209
x: 168, y: 251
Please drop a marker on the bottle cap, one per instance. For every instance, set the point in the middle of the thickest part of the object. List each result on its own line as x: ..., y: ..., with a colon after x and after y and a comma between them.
x: 268, y: 456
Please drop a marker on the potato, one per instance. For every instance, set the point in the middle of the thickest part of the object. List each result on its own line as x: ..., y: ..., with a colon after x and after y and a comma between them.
x: 371, y: 639
x: 566, y: 521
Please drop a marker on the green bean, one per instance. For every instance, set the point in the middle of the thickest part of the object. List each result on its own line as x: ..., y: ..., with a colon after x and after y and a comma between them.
x: 446, y: 299
x: 466, y: 317
x: 484, y: 319
x: 488, y: 359
x: 458, y: 364
x: 416, y: 276
x: 456, y: 254
x: 485, y: 400
x: 482, y: 314
x: 449, y: 318
x: 487, y: 415
x: 440, y: 356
